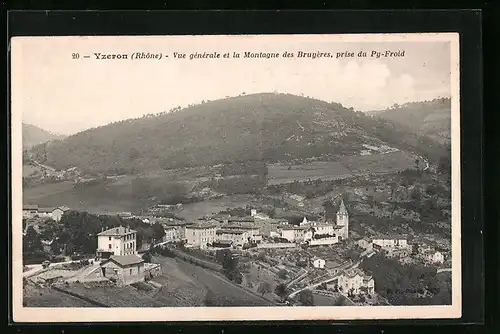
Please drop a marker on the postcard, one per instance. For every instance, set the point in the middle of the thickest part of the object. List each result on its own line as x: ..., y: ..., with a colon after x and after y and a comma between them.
x: 235, y: 177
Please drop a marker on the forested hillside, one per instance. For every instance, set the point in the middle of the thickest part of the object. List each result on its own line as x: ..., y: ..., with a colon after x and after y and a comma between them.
x: 266, y: 127
x: 431, y: 118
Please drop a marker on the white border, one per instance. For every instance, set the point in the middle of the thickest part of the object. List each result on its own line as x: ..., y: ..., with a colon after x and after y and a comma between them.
x: 25, y: 314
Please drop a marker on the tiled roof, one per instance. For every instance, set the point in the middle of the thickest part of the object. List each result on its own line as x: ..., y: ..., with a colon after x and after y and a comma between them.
x: 125, y: 260
x: 117, y: 231
x: 46, y: 210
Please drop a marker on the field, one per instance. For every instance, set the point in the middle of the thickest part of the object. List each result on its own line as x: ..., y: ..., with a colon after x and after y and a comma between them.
x: 284, y: 173
x: 93, y: 198
x: 347, y: 167
x: 200, y: 209
x: 34, y: 296
x: 29, y: 170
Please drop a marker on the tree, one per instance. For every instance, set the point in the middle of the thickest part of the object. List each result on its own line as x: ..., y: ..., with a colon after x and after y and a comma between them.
x: 264, y: 287
x: 158, y: 232
x: 283, y: 274
x: 147, y: 257
x: 281, y: 291
x: 31, y: 241
x: 306, y: 297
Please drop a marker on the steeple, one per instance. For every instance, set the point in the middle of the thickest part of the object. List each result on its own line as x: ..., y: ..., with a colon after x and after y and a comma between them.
x: 342, y: 209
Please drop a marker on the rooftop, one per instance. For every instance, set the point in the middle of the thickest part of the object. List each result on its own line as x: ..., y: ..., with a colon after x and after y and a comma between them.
x: 125, y: 260
x: 201, y: 226
x: 117, y: 231
x: 230, y: 231
x: 46, y: 210
x: 241, y: 226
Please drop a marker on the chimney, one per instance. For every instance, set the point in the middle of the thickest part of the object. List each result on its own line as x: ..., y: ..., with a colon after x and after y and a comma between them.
x: 102, y: 229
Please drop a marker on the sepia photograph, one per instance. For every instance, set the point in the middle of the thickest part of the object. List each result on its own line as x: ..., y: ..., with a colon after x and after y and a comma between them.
x: 249, y: 177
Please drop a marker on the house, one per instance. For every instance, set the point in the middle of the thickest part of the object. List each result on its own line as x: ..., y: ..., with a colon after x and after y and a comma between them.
x: 172, y: 233
x: 391, y: 242
x: 118, y: 241
x: 125, y: 269
x: 199, y: 235
x: 292, y: 233
x: 318, y: 263
x: 58, y: 212
x: 353, y: 281
x: 251, y: 229
x: 365, y: 243
x: 45, y: 212
x: 30, y: 211
x: 435, y: 257
x: 238, y: 237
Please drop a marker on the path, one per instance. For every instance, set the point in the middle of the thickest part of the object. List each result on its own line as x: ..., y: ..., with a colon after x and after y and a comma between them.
x: 442, y: 270
x: 36, y: 268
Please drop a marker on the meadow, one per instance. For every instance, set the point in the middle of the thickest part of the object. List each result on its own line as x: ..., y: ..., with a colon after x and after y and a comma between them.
x: 347, y: 167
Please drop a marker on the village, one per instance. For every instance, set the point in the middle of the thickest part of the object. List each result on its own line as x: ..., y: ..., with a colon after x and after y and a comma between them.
x: 281, y: 262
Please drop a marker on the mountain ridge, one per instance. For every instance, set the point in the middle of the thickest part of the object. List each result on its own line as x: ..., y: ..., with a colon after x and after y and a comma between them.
x: 266, y: 126
x: 430, y: 118
x: 34, y: 135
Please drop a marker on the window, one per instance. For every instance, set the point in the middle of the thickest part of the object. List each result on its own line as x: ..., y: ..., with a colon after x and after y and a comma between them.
x: 109, y: 246
x: 109, y: 238
x: 130, y: 271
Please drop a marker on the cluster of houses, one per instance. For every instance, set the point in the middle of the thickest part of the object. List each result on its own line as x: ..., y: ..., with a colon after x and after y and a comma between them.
x: 227, y: 231
x: 399, y: 248
x: 34, y: 211
x: 119, y: 260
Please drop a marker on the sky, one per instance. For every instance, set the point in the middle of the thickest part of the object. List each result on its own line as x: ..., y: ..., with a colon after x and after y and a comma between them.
x: 65, y: 95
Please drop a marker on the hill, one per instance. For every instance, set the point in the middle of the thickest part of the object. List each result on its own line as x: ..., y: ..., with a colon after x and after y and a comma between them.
x: 263, y: 127
x: 33, y: 135
x: 430, y: 118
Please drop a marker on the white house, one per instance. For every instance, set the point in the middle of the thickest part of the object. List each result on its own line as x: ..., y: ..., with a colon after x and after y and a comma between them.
x: 388, y: 242
x: 365, y: 243
x: 29, y: 211
x: 292, y: 233
x: 353, y: 281
x: 318, y: 263
x: 58, y: 212
x: 117, y: 241
x: 200, y: 235
x: 435, y: 257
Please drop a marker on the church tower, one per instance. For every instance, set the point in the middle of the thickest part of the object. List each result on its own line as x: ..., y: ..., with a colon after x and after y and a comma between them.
x: 343, y: 220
